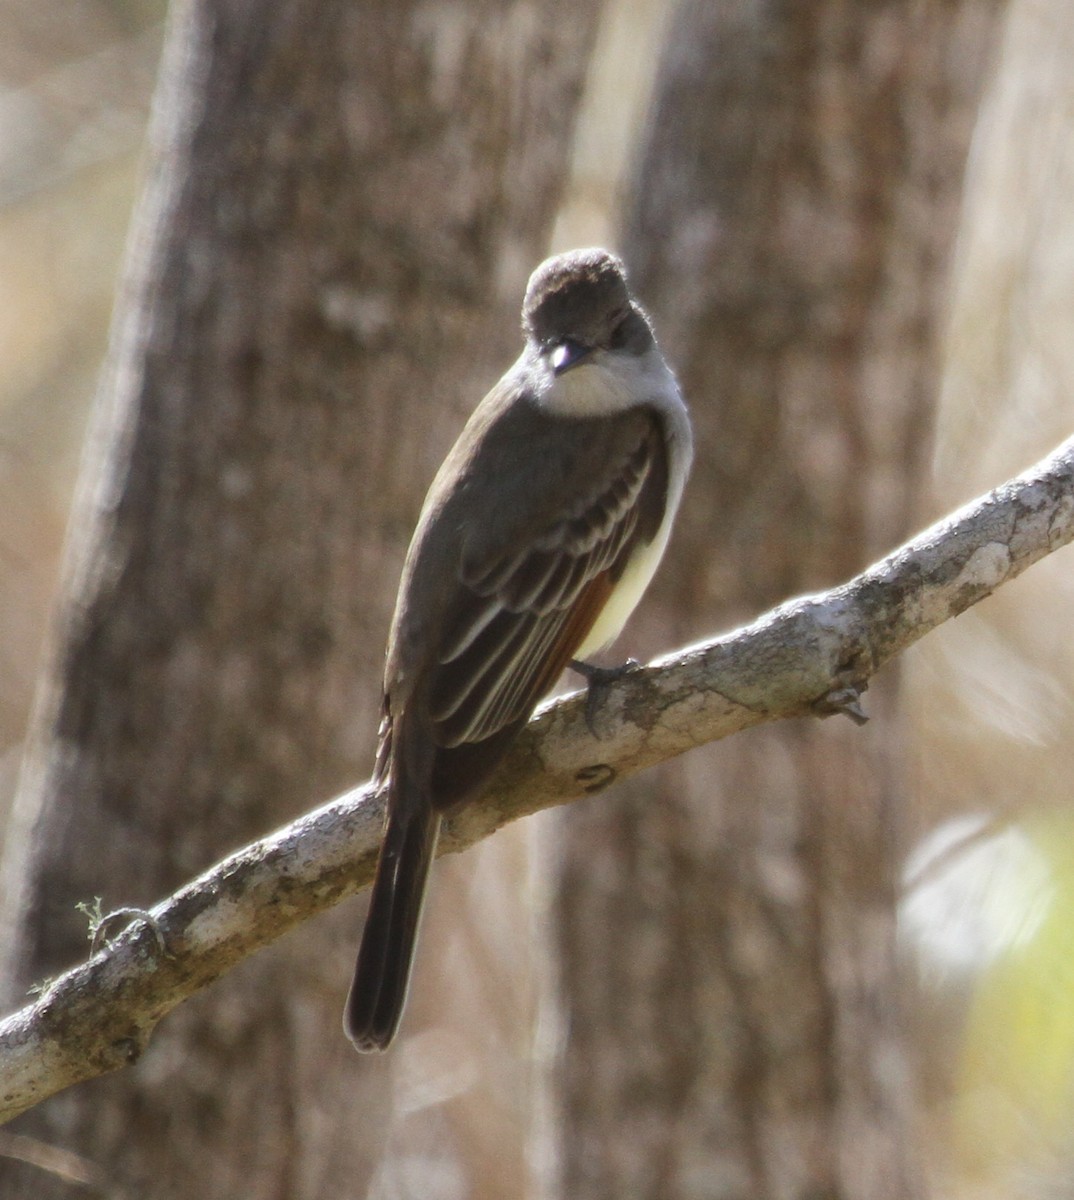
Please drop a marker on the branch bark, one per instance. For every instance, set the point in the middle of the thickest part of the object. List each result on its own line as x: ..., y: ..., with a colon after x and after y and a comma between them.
x: 810, y: 656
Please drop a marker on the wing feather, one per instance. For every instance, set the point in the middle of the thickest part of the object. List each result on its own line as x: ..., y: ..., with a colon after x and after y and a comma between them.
x: 493, y: 653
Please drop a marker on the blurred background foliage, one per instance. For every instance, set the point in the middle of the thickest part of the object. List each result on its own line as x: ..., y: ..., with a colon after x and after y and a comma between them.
x: 988, y: 907
x: 988, y: 911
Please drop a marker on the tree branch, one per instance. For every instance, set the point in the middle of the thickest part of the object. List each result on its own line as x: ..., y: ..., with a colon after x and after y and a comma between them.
x: 813, y: 655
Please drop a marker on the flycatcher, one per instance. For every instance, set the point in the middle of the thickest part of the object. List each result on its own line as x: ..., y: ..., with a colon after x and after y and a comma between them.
x: 539, y: 535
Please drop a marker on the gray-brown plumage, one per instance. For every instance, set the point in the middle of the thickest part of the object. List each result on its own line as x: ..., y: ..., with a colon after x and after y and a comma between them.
x: 537, y: 538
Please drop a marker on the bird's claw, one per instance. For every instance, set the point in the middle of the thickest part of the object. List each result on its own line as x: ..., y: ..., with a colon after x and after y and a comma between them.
x: 598, y: 681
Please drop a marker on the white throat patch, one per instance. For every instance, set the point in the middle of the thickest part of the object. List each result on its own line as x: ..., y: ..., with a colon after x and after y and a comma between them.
x: 608, y: 383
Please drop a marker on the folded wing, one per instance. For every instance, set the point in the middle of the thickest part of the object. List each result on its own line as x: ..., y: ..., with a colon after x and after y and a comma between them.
x: 520, y: 616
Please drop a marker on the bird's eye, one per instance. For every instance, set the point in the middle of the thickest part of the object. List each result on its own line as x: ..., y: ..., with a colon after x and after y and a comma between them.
x: 566, y: 354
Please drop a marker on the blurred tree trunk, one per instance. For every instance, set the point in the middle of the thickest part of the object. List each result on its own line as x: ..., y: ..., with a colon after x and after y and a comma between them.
x: 346, y: 198
x: 727, y: 925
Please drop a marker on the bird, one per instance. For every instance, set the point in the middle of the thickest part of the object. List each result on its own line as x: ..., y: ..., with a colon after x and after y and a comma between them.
x: 538, y: 536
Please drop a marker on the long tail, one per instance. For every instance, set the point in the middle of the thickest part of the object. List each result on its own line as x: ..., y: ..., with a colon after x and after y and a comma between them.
x: 382, y: 972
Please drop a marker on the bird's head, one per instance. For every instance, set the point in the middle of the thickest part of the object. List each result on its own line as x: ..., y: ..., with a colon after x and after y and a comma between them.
x: 578, y: 307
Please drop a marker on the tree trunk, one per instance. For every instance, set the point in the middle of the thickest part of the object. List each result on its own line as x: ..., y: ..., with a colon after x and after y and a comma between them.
x: 727, y: 925
x: 345, y: 201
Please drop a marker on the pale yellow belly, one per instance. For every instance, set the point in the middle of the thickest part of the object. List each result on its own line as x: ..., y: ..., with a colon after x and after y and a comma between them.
x: 623, y: 601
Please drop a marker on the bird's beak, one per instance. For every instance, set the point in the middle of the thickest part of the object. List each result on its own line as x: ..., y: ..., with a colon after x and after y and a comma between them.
x: 566, y: 355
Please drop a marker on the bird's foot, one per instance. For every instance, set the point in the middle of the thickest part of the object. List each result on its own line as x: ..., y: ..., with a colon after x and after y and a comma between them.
x: 598, y: 681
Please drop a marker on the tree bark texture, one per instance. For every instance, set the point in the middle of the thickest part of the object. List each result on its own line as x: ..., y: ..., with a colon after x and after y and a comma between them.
x: 727, y: 923
x: 345, y: 200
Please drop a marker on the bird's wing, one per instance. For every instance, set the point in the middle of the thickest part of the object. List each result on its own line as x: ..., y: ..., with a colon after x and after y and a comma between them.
x: 521, y: 613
